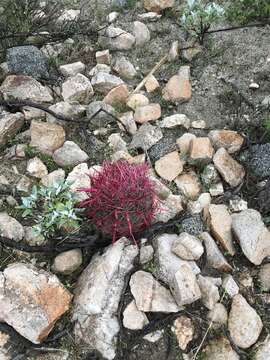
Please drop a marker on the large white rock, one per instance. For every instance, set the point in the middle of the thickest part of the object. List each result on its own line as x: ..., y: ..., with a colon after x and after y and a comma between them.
x: 150, y: 295
x: 133, y: 318
x: 31, y: 300
x: 97, y: 296
x: 252, y: 235
x: 77, y: 88
x: 244, y: 323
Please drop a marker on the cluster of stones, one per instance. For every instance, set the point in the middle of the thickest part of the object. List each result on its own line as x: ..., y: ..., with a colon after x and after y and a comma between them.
x: 170, y: 277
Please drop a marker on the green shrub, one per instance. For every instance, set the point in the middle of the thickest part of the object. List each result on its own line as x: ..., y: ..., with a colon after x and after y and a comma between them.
x: 247, y: 11
x: 199, y: 16
x: 51, y: 208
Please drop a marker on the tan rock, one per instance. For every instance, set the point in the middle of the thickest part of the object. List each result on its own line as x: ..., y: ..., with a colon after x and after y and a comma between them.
x: 218, y: 314
x: 174, y: 51
x: 77, y: 88
x: 227, y: 139
x: 187, y: 247
x: 178, y: 88
x: 137, y: 100
x: 183, y: 329
x: 72, y: 69
x: 201, y: 150
x: 103, y: 57
x: 68, y: 261
x: 117, y: 95
x: 46, y: 137
x: 175, y: 120
x: 53, y: 177
x: 151, y: 84
x: 231, y: 171
x: 184, y: 142
x: 169, y: 166
x: 220, y: 349
x: 189, y: 185
x: 244, y: 323
x: 147, y: 113
x: 36, y: 168
x: 31, y: 300
x: 157, y: 5
x: 133, y: 318
x: 220, y: 222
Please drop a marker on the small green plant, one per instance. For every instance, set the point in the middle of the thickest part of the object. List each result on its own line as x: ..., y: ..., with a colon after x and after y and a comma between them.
x: 198, y: 17
x: 51, y: 208
x: 246, y: 11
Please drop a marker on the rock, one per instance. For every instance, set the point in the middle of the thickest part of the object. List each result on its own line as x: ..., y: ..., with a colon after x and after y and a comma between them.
x: 112, y: 16
x: 184, y: 143
x: 117, y: 95
x: 146, y: 254
x: 99, y: 68
x: 46, y: 137
x: 169, y: 208
x: 149, y: 295
x: 134, y: 319
x: 199, y: 124
x: 146, y: 137
x: 103, y: 82
x: 154, y: 336
x: 220, y: 349
x: 178, y: 88
x: 215, y: 258
x: 151, y: 84
x: 244, y: 323
x: 73, y: 111
x: 216, y: 189
x: 10, y: 125
x: 263, y: 350
x: 127, y: 119
x: 147, y: 113
x: 32, y: 237
x: 10, y: 227
x: 189, y: 185
x: 193, y: 225
x: 53, y: 177
x: 258, y: 160
x: 137, y: 100
x: 184, y: 331
x: 175, y: 120
x: 36, y: 168
x: 116, y: 142
x: 203, y: 201
x: 187, y: 247
x: 168, y: 263
x: 31, y: 300
x: 100, y: 114
x: 124, y: 68
x: 157, y: 5
x: 174, y: 51
x: 149, y: 16
x: 27, y: 60
x: 72, y: 69
x: 254, y: 86
x: 230, y: 286
x: 5, y: 353
x: 237, y: 204
x: 169, y: 166
x: 218, y: 314
x: 264, y: 276
x: 209, y: 291
x: 77, y: 88
x: 24, y: 185
x: 201, y: 150
x: 221, y: 226
x: 103, y: 57
x: 68, y: 15
x: 21, y: 87
x: 230, y: 170
x: 97, y: 295
x: 141, y: 33
x: 70, y: 154
x: 184, y: 286
x: 210, y: 175
x: 162, y: 190
x: 33, y: 114
x: 79, y: 179
x: 227, y: 139
x: 116, y: 39
x: 252, y: 235
x: 67, y: 262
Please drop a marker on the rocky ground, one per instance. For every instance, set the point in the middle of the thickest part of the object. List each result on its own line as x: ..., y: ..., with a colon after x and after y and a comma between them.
x: 197, y: 285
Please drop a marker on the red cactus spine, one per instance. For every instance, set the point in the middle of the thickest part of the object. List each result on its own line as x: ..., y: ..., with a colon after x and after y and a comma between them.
x: 121, y: 200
